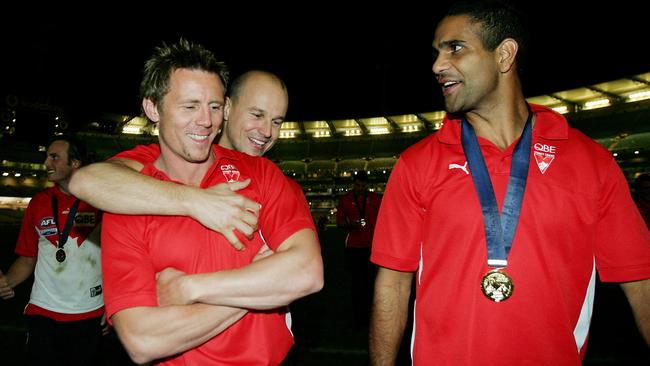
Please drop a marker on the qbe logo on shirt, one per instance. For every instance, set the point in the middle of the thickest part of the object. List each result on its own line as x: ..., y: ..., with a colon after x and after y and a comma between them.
x: 85, y: 219
x: 544, y: 155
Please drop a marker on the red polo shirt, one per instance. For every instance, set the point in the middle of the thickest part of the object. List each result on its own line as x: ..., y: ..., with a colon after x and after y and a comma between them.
x: 577, y: 217
x: 135, y: 248
x: 350, y: 208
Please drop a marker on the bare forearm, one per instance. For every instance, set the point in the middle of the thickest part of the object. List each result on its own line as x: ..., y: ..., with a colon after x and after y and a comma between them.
x: 117, y: 186
x: 20, y: 270
x: 389, y: 314
x: 638, y: 295
x: 150, y: 333
x: 274, y: 281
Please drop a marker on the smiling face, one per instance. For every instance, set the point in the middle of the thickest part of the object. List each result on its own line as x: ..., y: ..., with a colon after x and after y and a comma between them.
x: 254, y: 114
x: 466, y: 71
x: 57, y: 163
x: 189, y: 116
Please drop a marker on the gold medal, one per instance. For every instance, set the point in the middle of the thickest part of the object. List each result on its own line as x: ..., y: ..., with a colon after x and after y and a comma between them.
x: 60, y: 255
x: 497, y: 285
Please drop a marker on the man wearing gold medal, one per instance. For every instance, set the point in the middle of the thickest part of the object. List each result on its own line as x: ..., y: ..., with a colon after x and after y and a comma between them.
x: 488, y: 212
x: 59, y: 244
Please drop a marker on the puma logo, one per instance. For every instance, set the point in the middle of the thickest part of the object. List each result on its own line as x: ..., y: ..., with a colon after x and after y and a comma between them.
x: 458, y: 166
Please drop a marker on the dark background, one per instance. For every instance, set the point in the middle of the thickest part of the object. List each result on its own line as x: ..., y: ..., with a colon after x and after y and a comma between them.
x: 339, y: 59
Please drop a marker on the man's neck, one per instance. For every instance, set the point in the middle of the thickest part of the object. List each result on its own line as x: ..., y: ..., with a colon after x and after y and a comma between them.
x: 225, y: 142
x: 500, y: 124
x: 63, y: 186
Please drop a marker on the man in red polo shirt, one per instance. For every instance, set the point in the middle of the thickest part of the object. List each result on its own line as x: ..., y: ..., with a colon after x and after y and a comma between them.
x: 357, y: 214
x: 255, y: 109
x: 178, y: 292
x: 59, y: 244
x: 506, y: 214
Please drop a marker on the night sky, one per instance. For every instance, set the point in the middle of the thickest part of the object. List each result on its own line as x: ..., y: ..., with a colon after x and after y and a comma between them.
x: 337, y: 62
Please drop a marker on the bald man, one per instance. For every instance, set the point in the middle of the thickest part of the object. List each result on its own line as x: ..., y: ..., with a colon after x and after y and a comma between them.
x: 255, y: 109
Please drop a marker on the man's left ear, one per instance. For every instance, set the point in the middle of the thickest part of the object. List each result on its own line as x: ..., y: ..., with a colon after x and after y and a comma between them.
x: 76, y: 163
x: 507, y: 54
x: 151, y: 110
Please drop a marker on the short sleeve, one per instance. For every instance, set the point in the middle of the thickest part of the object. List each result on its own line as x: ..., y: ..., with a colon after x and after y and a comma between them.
x: 284, y: 208
x: 129, y: 275
x: 398, y: 233
x: 27, y: 244
x: 623, y: 242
